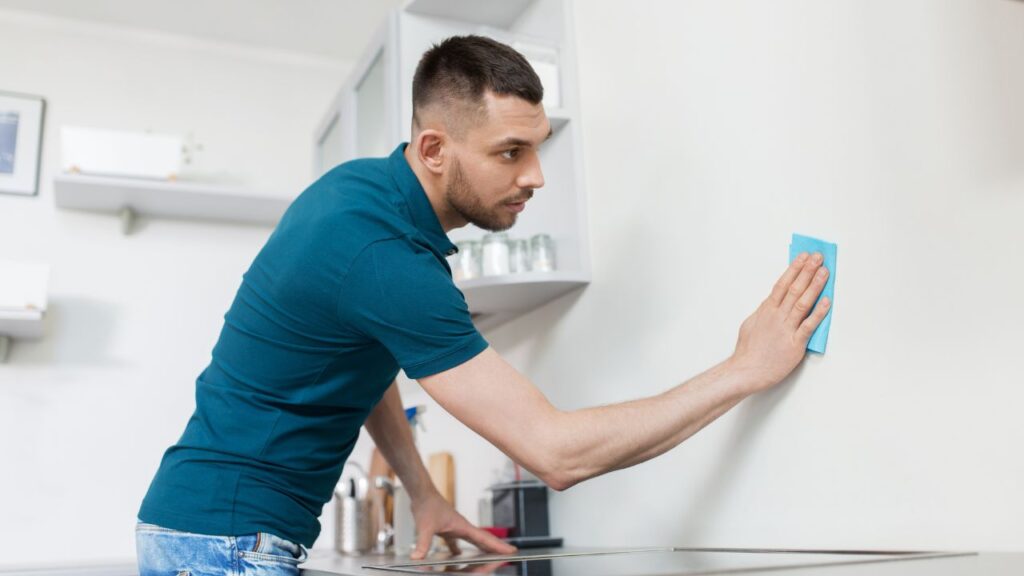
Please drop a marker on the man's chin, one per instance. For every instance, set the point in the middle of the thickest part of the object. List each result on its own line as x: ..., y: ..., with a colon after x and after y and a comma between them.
x: 500, y: 227
x: 496, y: 224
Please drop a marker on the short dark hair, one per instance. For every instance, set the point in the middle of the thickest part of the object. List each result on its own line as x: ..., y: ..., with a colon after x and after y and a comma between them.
x: 458, y: 71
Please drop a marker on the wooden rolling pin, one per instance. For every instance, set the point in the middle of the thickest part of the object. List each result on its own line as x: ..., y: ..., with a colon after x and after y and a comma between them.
x: 442, y: 471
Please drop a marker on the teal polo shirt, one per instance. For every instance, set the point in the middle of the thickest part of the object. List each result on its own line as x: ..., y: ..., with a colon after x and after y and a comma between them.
x: 352, y: 286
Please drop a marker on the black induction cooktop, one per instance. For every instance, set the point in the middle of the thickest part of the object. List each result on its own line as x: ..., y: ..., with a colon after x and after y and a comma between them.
x: 655, y: 562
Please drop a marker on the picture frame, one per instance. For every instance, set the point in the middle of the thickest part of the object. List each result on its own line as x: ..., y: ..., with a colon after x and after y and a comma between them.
x: 21, y: 137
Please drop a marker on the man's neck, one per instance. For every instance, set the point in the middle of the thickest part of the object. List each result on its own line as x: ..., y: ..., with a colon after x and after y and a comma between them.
x: 448, y: 218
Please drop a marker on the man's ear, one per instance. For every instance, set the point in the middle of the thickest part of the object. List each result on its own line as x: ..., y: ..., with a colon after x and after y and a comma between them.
x: 432, y: 149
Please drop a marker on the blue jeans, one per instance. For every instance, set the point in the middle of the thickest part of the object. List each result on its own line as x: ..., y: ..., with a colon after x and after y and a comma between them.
x: 166, y: 552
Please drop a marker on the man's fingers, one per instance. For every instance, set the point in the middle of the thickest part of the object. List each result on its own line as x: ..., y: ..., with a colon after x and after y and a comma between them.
x: 780, y: 288
x: 423, y: 540
x: 810, y: 324
x: 799, y: 286
x: 453, y: 545
x: 803, y: 305
x: 486, y: 541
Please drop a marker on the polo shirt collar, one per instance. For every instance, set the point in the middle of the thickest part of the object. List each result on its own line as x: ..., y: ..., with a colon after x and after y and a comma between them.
x: 423, y: 215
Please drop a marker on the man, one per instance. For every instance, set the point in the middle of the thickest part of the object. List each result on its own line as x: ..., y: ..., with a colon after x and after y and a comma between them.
x: 352, y: 286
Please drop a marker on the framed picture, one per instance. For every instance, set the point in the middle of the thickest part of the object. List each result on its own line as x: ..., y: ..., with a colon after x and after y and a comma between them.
x: 21, y: 135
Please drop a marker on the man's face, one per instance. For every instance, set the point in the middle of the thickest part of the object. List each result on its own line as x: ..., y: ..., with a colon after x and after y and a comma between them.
x: 496, y: 165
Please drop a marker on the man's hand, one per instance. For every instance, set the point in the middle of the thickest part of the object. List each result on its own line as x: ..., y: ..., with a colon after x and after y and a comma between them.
x: 434, y: 515
x: 773, y: 340
x: 564, y: 448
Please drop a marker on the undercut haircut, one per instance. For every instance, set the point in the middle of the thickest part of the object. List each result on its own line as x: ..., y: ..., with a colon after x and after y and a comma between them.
x: 453, y: 77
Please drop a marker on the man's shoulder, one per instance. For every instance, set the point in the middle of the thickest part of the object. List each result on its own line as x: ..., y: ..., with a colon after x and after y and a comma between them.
x: 356, y: 182
x: 331, y: 223
x: 356, y: 202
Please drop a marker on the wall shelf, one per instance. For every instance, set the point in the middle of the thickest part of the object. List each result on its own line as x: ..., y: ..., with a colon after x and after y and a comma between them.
x: 494, y: 300
x: 172, y: 199
x: 19, y: 325
x: 23, y: 302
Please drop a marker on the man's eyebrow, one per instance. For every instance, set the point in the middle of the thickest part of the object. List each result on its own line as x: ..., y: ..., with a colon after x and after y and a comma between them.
x: 513, y: 141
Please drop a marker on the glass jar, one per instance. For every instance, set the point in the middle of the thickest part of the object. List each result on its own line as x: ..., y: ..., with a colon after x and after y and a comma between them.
x: 518, y: 256
x: 466, y: 263
x: 542, y: 253
x: 495, y: 261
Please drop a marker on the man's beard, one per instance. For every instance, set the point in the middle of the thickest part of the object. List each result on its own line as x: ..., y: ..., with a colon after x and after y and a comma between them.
x: 459, y: 195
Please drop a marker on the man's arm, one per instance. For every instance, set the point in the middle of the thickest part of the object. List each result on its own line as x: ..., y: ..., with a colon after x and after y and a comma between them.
x: 564, y: 448
x: 390, y: 430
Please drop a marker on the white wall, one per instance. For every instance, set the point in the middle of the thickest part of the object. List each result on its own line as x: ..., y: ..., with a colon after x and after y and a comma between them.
x: 713, y: 130
x: 86, y: 413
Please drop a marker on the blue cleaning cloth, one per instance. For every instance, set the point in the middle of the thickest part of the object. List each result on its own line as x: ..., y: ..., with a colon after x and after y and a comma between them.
x: 828, y: 250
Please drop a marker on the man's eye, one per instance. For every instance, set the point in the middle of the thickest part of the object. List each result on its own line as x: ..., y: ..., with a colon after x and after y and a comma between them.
x: 510, y: 154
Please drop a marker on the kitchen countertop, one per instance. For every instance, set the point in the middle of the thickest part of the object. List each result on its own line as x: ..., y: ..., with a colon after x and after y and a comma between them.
x: 327, y: 563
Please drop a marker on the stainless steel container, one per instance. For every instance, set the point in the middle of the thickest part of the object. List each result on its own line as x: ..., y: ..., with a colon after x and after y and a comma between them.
x: 353, y: 533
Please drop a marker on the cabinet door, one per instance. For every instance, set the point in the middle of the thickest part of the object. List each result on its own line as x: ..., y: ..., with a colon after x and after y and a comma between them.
x: 372, y: 122
x: 360, y: 122
x: 330, y: 149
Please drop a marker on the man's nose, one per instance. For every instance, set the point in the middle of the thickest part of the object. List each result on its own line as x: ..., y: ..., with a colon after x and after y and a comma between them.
x: 533, y: 177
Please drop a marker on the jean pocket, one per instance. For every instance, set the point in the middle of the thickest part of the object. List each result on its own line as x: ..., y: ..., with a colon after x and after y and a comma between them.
x: 270, y: 548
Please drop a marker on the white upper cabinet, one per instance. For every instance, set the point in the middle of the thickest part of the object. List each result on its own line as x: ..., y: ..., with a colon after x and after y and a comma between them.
x: 372, y: 114
x: 372, y: 137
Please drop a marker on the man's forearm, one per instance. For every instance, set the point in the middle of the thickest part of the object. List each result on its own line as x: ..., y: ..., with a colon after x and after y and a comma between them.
x: 563, y: 448
x: 594, y: 441
x: 390, y: 431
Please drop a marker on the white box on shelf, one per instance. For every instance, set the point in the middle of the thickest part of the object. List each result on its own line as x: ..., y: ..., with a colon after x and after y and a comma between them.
x: 119, y: 153
x: 23, y: 286
x: 544, y: 60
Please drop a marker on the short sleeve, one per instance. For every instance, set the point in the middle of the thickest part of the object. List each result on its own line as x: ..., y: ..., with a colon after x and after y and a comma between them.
x: 400, y: 294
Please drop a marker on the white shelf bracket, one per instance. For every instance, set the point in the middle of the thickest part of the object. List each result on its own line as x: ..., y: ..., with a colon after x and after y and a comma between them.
x: 127, y: 220
x: 5, y: 347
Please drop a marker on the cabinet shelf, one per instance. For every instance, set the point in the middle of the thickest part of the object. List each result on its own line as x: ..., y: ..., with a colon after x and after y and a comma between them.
x: 558, y: 117
x: 498, y: 14
x: 494, y: 300
x: 171, y: 199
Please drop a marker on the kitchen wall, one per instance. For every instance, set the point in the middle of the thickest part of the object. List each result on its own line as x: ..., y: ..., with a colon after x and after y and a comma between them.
x: 713, y: 130
x: 86, y: 413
